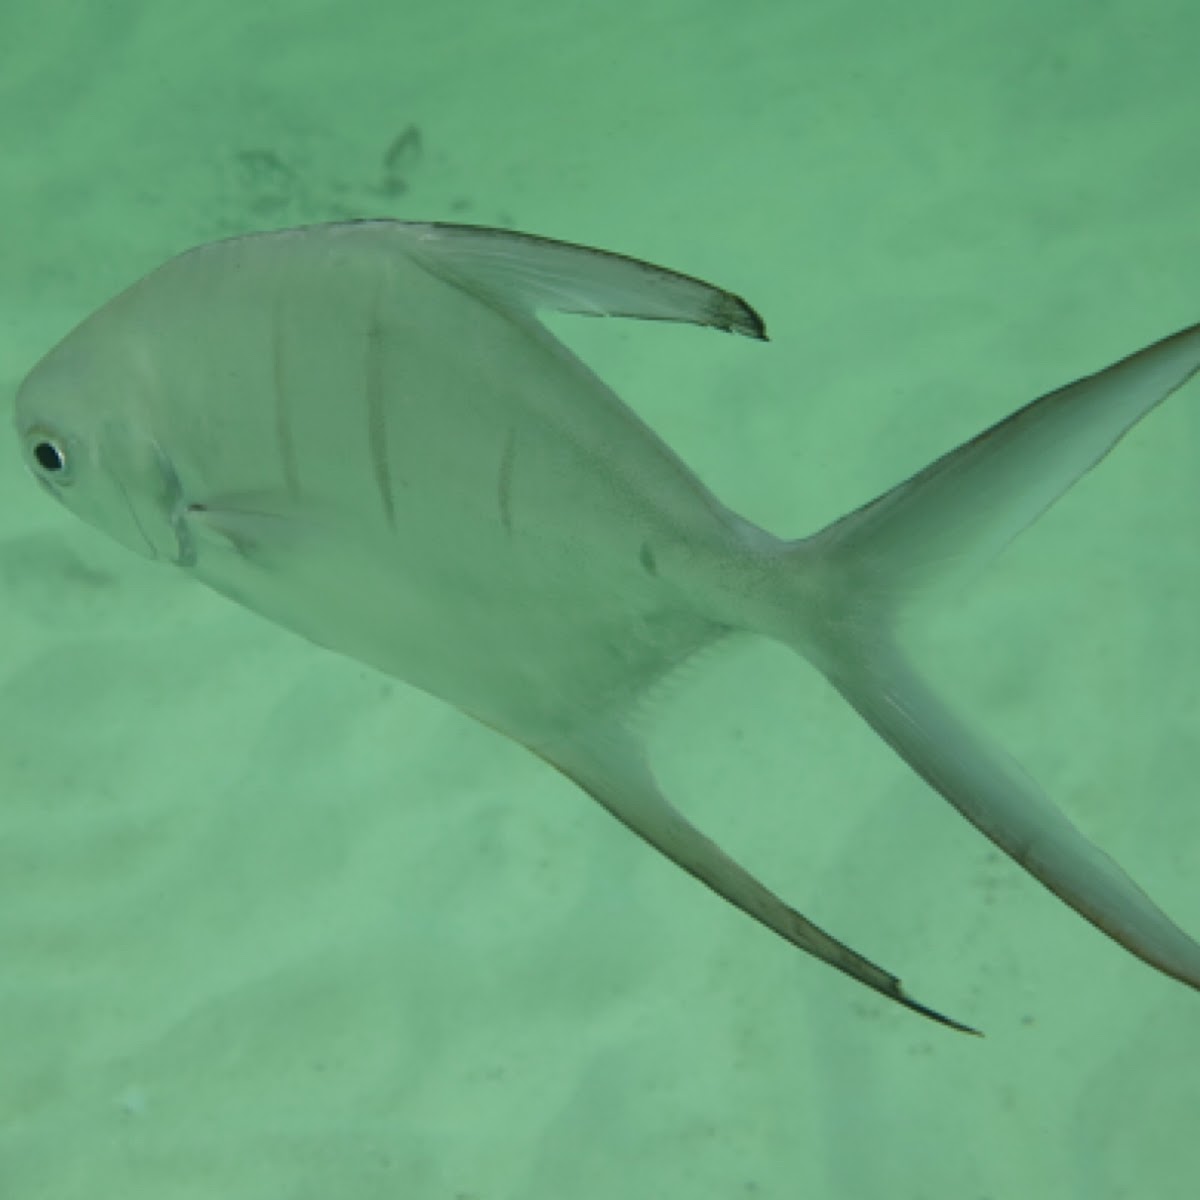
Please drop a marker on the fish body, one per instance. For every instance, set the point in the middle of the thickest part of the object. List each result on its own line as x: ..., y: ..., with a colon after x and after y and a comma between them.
x: 363, y: 432
x: 428, y: 482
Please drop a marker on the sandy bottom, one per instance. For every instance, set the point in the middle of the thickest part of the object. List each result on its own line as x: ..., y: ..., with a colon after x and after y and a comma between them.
x: 273, y: 926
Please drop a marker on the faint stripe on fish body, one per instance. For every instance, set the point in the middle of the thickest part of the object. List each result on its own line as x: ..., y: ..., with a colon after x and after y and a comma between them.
x: 504, y: 480
x: 377, y: 433
x: 283, y: 421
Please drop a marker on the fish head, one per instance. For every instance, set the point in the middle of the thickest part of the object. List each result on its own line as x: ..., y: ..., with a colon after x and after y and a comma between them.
x: 83, y: 423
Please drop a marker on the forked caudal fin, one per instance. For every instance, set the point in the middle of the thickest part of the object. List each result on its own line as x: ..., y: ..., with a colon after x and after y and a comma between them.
x: 967, y: 506
x: 836, y: 599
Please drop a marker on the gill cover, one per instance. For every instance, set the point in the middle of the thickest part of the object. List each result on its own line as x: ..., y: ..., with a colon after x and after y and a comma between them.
x: 146, y: 506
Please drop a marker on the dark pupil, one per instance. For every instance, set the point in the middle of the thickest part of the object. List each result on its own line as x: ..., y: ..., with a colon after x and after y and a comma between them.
x: 48, y: 456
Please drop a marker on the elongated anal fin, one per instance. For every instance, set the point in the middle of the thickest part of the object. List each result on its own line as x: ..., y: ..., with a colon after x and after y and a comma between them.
x: 613, y: 771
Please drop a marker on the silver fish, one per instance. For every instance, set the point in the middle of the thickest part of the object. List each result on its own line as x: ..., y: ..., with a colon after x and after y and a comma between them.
x: 362, y: 432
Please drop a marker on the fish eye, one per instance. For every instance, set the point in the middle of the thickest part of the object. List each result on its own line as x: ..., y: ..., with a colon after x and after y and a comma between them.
x: 49, y: 454
x: 49, y: 457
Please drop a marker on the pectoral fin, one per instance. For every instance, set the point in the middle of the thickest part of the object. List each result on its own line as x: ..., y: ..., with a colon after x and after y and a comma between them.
x: 253, y: 525
x: 613, y: 771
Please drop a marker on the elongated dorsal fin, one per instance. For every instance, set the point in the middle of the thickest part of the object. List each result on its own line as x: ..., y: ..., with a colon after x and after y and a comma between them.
x: 538, y: 273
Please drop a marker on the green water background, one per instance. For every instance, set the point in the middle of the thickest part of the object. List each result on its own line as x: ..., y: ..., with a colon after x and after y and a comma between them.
x: 272, y: 926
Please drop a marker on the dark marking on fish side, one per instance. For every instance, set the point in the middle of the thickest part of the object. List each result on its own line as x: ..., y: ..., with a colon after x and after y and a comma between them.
x: 648, y: 561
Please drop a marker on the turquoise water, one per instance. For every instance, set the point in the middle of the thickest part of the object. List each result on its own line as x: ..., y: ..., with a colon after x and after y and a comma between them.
x: 273, y: 926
